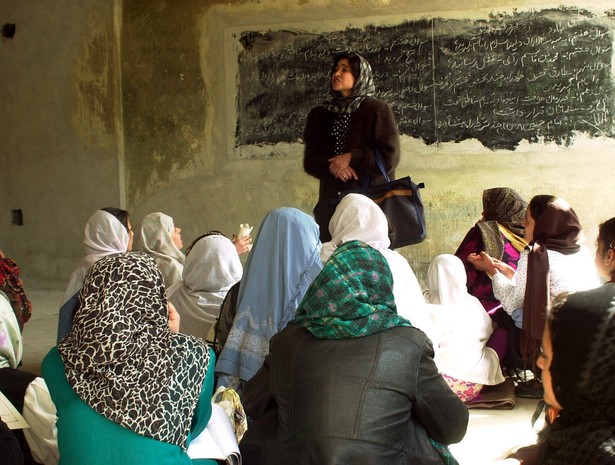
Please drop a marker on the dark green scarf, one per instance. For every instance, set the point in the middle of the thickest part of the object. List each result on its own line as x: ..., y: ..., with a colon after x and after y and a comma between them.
x: 352, y: 296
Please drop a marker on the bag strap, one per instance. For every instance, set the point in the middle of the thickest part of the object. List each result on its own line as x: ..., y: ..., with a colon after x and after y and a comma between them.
x: 383, y: 170
x: 380, y: 164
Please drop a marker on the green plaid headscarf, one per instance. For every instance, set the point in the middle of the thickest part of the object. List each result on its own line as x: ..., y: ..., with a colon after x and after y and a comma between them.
x: 352, y: 296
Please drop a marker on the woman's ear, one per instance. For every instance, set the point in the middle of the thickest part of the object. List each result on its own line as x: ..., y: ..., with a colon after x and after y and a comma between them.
x: 610, y: 257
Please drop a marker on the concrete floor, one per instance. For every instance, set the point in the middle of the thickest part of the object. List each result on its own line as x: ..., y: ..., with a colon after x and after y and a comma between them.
x: 491, y: 435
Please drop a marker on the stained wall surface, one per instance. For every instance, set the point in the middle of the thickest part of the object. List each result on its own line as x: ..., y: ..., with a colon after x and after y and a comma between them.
x: 134, y: 104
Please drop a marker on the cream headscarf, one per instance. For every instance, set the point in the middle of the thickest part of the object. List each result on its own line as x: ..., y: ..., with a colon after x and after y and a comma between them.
x: 104, y: 235
x: 212, y: 267
x: 463, y: 327
x: 155, y: 238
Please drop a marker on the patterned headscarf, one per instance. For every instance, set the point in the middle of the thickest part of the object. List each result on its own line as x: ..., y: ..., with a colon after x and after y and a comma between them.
x: 121, y: 357
x: 363, y: 87
x: 352, y: 296
x: 502, y: 207
x: 557, y: 228
x: 583, y: 376
x: 12, y: 286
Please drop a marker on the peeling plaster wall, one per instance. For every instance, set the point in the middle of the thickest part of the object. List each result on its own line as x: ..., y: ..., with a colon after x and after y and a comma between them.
x: 153, y: 131
x: 59, y: 127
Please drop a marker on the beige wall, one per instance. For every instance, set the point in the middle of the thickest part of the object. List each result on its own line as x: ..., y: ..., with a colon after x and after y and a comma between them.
x: 79, y: 117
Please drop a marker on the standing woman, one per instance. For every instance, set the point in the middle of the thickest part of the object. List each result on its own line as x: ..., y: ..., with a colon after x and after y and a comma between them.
x: 341, y: 135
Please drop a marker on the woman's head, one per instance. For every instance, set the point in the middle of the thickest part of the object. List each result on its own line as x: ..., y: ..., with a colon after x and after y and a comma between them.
x: 212, y: 264
x: 503, y: 205
x: 551, y: 218
x: 605, y: 249
x: 159, y: 236
x: 580, y: 334
x: 351, y: 76
x: 124, y: 218
x: 447, y: 279
x: 352, y: 296
x: 121, y: 356
x: 357, y: 217
x: 105, y: 234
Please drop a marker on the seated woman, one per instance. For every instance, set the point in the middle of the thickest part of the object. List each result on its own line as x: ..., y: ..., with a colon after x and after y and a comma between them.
x: 463, y: 328
x: 605, y: 250
x: 499, y: 233
x: 129, y: 389
x: 357, y: 217
x: 555, y: 261
x: 159, y: 237
x: 12, y: 287
x: 107, y: 232
x: 212, y: 266
x: 349, y: 380
x: 284, y: 261
x: 578, y: 366
x: 28, y: 393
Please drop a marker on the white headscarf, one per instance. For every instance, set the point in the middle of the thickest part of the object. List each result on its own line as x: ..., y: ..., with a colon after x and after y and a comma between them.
x: 104, y: 235
x: 357, y: 217
x: 11, y: 342
x: 462, y: 324
x: 155, y: 238
x: 212, y: 267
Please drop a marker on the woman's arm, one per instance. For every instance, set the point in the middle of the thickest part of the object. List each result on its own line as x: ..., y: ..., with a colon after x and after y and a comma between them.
x: 256, y: 396
x: 317, y: 153
x: 437, y: 408
x: 373, y: 125
x: 511, y: 292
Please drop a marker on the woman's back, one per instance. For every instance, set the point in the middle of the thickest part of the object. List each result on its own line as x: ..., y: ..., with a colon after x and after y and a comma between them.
x: 374, y: 399
x: 85, y: 436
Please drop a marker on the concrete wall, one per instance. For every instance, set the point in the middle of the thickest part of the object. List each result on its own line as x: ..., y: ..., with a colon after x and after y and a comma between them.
x: 60, y: 129
x: 69, y: 135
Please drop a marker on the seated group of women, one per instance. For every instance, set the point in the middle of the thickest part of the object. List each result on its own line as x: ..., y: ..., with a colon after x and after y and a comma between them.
x: 332, y: 346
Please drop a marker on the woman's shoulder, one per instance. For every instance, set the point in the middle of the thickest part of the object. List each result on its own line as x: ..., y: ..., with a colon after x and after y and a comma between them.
x: 374, y: 103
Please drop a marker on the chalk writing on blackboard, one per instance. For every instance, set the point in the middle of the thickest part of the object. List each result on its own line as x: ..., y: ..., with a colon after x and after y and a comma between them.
x: 539, y: 76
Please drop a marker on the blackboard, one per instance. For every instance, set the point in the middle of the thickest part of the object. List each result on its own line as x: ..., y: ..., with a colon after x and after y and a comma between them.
x: 539, y: 75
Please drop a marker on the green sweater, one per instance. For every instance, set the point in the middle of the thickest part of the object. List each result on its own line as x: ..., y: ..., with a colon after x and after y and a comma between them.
x: 87, y: 438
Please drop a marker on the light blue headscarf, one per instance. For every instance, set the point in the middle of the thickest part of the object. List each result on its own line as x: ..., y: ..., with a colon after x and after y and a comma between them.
x: 283, y: 263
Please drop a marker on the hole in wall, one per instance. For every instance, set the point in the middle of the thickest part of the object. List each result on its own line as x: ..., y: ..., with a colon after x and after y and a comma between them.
x: 17, y: 217
x: 8, y: 30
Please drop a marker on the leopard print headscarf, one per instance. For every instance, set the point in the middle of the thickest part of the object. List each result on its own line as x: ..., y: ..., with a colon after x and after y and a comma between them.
x: 121, y: 358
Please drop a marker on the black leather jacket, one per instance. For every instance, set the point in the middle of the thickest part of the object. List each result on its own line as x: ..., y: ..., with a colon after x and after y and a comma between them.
x: 370, y: 400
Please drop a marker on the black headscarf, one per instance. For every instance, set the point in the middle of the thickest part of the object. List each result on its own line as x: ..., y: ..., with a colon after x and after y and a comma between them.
x: 583, y: 378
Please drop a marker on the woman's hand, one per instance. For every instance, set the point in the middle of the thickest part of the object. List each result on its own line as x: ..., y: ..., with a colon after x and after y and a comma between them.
x: 483, y: 262
x: 339, y: 167
x: 173, y: 318
x: 243, y: 244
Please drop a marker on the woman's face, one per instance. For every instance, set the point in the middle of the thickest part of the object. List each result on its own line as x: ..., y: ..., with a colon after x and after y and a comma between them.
x: 544, y: 362
x: 131, y: 236
x: 342, y: 80
x: 176, y: 235
x: 528, y: 224
x: 605, y: 258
